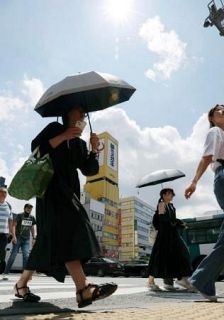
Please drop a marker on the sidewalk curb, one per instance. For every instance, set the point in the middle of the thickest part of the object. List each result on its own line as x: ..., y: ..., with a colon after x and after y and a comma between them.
x: 160, y: 311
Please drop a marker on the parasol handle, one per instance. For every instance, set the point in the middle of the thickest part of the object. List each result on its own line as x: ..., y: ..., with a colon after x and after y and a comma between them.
x: 90, y: 126
x: 91, y: 131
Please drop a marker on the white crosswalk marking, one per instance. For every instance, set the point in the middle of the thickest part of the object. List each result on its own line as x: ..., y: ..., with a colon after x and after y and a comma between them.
x: 49, y: 289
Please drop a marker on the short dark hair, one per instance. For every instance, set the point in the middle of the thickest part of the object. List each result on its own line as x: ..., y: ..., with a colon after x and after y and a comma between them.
x: 166, y: 190
x: 211, y: 112
x: 28, y: 205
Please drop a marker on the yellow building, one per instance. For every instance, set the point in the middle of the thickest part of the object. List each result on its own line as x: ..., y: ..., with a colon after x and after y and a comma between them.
x: 104, y: 187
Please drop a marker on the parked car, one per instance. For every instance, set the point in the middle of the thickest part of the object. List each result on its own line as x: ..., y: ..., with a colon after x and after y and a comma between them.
x: 103, y: 267
x: 136, y: 268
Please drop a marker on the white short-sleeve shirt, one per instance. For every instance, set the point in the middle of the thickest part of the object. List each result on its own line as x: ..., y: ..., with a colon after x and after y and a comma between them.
x: 5, y: 216
x: 214, y: 145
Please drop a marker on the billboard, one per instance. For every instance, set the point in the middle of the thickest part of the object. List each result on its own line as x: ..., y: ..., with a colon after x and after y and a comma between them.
x: 112, y: 155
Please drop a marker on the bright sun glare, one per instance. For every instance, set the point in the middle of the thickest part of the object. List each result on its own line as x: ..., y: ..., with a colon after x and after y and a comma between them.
x: 119, y: 10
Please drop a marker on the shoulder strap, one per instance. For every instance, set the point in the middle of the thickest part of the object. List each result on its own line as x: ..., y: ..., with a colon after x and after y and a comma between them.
x: 9, y: 205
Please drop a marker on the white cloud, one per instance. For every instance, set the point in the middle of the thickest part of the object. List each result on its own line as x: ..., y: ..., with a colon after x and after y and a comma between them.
x: 143, y: 150
x: 8, y: 172
x: 17, y: 122
x: 3, y: 167
x: 167, y: 45
x: 11, y: 105
x: 33, y: 89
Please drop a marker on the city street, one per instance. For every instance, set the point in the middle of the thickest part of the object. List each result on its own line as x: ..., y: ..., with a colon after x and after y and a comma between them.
x: 111, y: 160
x: 130, y: 299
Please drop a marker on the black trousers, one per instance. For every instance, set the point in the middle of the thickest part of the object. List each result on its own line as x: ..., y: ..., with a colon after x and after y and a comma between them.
x: 3, y: 243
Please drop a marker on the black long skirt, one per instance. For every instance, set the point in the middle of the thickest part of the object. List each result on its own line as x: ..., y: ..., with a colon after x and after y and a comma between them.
x: 170, y: 257
x: 64, y: 234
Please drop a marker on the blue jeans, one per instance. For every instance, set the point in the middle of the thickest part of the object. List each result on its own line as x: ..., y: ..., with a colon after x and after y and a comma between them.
x: 24, y: 244
x: 209, y: 269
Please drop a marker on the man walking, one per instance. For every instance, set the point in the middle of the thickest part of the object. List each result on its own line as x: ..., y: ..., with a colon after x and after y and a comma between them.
x: 23, y: 227
x: 5, y: 224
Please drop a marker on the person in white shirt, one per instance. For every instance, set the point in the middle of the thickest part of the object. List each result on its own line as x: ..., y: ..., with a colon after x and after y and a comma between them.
x: 204, y: 277
x: 6, y: 219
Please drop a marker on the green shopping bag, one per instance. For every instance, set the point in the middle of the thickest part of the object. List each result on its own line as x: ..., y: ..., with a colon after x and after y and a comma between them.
x: 33, y: 178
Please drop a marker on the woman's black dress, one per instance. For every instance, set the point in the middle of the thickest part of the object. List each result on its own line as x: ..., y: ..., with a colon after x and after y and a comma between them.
x: 170, y: 257
x: 64, y: 232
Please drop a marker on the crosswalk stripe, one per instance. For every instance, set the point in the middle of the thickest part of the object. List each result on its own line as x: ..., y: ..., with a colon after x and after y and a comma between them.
x: 37, y: 286
x: 67, y: 294
x: 55, y: 290
x: 7, y: 285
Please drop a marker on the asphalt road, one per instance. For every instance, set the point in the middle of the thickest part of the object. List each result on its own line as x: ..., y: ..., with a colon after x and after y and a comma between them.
x: 58, y: 297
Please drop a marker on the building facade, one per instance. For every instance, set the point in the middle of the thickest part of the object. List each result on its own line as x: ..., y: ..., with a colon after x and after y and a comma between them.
x: 96, y: 213
x: 103, y: 187
x: 135, y: 217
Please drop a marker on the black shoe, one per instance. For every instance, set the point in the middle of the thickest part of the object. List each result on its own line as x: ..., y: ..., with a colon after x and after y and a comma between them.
x: 100, y: 292
x: 105, y: 290
x: 28, y: 296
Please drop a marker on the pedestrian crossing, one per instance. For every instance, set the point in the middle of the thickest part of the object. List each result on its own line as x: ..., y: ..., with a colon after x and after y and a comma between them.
x: 49, y: 289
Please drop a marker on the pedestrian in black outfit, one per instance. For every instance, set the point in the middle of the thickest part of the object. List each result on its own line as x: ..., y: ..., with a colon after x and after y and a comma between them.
x: 65, y: 238
x: 170, y: 257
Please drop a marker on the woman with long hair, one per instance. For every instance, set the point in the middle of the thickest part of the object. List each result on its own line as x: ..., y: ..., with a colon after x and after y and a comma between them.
x: 170, y: 257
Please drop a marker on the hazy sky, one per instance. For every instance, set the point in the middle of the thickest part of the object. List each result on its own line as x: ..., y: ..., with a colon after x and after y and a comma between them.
x: 158, y: 46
